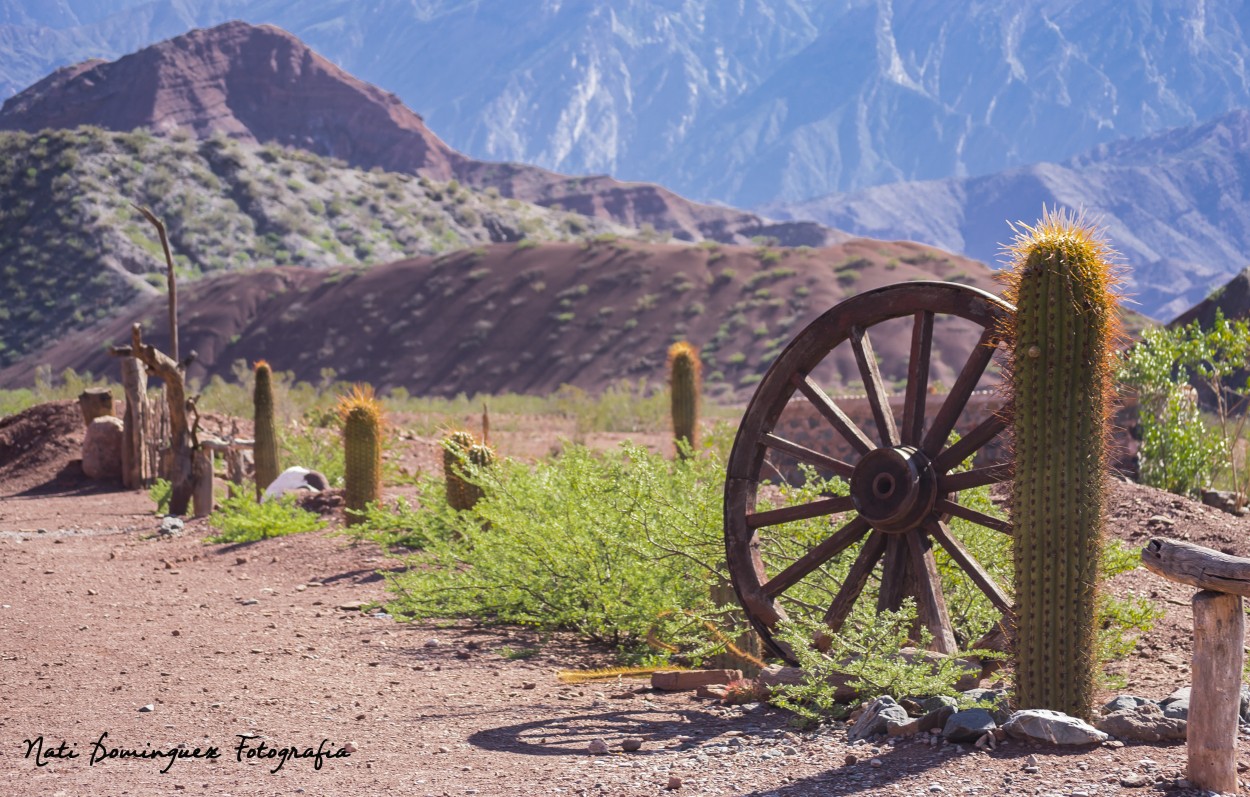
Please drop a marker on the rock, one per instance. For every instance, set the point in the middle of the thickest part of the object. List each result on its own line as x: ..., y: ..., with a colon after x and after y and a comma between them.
x: 432, y: 643
x: 1134, y: 781
x: 1222, y: 500
x: 351, y: 606
x: 1124, y: 702
x: 674, y: 783
x: 933, y: 720
x: 172, y: 526
x: 102, y: 449
x: 1176, y: 704
x: 878, y: 715
x: 1143, y: 723
x: 851, y: 759
x: 1052, y: 727
x: 931, y: 704
x: 597, y: 747
x: 350, y: 747
x: 683, y: 680
x: 150, y: 707
x: 713, y: 691
x: 632, y: 744
x: 875, y: 763
x: 95, y: 402
x: 968, y: 725
x: 1000, y: 709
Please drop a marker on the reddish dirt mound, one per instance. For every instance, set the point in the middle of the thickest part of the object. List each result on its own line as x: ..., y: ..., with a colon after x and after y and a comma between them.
x: 40, y: 444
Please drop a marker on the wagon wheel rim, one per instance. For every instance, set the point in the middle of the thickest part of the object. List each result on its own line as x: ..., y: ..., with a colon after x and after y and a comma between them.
x: 904, y: 482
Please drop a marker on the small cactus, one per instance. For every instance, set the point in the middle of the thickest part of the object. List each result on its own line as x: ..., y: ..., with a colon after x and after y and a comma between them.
x: 460, y: 448
x: 1065, y: 331
x: 265, y: 450
x: 684, y: 370
x: 361, y: 416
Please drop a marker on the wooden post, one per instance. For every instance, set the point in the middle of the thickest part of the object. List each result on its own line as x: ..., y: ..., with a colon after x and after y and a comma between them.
x: 136, y: 469
x: 202, y: 482
x: 95, y: 402
x: 181, y: 442
x: 1219, y: 634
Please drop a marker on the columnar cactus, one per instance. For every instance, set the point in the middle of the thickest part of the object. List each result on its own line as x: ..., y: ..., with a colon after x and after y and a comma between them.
x: 459, y: 448
x: 684, y: 370
x: 1065, y: 332
x: 266, y: 433
x: 361, y: 416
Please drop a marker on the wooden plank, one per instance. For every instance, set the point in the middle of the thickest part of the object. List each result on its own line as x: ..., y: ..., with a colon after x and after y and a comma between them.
x: 930, y: 603
x: 947, y: 507
x: 971, y: 566
x: 916, y: 399
x: 856, y: 577
x: 1211, y: 734
x: 804, y: 454
x: 828, y: 548
x: 970, y: 443
x: 789, y: 514
x: 976, y: 477
x: 833, y: 413
x: 1197, y: 566
x: 965, y: 383
x: 870, y: 372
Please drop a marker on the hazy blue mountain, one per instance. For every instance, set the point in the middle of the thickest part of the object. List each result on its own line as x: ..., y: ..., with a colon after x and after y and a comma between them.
x: 737, y: 101
x: 1175, y: 204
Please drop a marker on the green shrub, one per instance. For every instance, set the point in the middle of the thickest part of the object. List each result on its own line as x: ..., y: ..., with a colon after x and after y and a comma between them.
x: 620, y: 548
x: 242, y: 519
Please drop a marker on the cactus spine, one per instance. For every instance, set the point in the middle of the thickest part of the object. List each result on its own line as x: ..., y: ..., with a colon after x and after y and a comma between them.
x: 1065, y: 332
x: 684, y: 371
x: 266, y: 433
x: 361, y: 416
x: 460, y: 448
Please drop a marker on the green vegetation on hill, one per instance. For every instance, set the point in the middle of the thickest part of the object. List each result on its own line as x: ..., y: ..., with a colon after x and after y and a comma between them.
x: 72, y: 247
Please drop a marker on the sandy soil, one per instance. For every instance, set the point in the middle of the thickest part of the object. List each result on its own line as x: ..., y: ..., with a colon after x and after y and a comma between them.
x: 235, y: 646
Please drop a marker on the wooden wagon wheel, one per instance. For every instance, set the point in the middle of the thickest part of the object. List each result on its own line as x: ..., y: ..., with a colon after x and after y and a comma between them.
x: 903, y: 482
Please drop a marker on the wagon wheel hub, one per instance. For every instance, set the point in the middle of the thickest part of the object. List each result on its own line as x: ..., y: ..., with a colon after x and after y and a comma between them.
x: 894, y: 489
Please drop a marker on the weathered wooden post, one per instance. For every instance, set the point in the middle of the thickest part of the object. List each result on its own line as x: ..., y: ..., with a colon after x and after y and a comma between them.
x: 202, y: 482
x: 136, y: 466
x: 1219, y: 637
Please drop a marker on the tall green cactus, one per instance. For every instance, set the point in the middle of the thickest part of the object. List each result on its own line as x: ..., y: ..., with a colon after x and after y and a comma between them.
x: 1065, y: 332
x: 684, y: 372
x: 460, y: 448
x: 266, y: 433
x: 361, y: 416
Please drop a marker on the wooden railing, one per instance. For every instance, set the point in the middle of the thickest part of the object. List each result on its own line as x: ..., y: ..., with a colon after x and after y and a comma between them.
x: 1219, y: 639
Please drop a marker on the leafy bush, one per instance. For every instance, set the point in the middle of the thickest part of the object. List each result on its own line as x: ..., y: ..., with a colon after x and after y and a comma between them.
x: 242, y: 519
x: 1179, y: 453
x: 621, y: 548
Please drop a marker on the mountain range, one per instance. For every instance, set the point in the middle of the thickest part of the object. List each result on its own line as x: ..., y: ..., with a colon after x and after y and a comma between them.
x: 743, y: 102
x: 1174, y: 204
x: 259, y: 84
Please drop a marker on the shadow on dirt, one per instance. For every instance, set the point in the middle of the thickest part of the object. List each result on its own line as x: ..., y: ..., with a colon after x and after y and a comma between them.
x: 571, y: 735
x: 70, y: 481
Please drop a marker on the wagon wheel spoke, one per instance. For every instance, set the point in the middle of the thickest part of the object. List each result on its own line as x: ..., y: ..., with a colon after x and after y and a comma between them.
x: 977, y: 477
x: 930, y: 604
x: 832, y: 413
x: 856, y: 577
x: 789, y: 514
x: 895, y: 574
x: 870, y: 372
x: 805, y: 454
x: 830, y: 547
x: 974, y: 441
x: 917, y: 378
x: 947, y: 507
x: 938, y: 530
x: 965, y: 383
